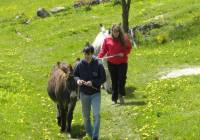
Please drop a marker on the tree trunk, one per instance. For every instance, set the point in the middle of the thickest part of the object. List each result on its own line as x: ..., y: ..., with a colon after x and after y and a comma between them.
x: 125, y: 14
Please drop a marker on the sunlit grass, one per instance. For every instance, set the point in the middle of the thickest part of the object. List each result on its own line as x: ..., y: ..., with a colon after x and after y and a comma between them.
x: 164, y: 109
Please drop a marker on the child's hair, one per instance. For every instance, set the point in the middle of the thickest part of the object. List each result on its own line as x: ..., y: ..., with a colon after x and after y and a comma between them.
x: 88, y: 49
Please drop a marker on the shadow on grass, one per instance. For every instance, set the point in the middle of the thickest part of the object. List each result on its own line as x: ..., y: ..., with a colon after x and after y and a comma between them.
x: 130, y: 92
x: 133, y: 97
x: 137, y: 103
x: 78, y: 131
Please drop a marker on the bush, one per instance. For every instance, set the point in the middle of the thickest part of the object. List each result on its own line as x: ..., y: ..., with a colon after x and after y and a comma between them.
x: 186, y: 30
x: 88, y: 8
x: 73, y: 31
x: 139, y: 38
x: 117, y: 2
x: 22, y: 19
x: 162, y: 38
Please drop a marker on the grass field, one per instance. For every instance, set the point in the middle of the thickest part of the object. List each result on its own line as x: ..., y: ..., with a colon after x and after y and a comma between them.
x: 155, y: 109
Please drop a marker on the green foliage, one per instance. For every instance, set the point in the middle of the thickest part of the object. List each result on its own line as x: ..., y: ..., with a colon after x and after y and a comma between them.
x: 139, y: 38
x: 117, y: 2
x: 162, y: 38
x: 88, y: 8
x: 154, y: 109
x: 73, y: 31
x: 22, y: 19
x: 187, y: 30
x: 169, y: 99
x: 12, y: 83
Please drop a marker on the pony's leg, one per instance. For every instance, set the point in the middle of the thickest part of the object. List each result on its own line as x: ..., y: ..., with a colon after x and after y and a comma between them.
x: 63, y: 118
x: 71, y: 107
x: 58, y: 115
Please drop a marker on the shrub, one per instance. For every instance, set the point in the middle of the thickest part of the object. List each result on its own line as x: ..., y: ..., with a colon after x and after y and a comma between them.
x: 88, y: 8
x: 117, y: 2
x: 139, y: 38
x: 162, y: 38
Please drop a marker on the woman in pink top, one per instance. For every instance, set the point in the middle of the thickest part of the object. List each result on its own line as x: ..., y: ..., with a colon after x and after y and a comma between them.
x: 117, y: 46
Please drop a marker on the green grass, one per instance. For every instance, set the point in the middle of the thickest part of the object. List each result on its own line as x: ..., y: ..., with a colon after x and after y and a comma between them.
x: 172, y: 109
x: 155, y: 109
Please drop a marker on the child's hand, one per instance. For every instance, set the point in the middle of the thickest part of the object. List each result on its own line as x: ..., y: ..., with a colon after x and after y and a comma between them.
x: 80, y: 82
x: 88, y: 83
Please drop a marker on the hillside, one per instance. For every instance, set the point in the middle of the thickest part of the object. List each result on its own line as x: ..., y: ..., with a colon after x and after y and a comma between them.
x: 154, y: 109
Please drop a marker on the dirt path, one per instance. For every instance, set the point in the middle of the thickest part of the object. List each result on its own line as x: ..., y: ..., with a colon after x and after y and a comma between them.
x: 116, y: 120
x: 182, y: 72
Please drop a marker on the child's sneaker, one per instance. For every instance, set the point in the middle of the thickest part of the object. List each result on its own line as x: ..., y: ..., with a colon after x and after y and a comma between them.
x: 121, y: 99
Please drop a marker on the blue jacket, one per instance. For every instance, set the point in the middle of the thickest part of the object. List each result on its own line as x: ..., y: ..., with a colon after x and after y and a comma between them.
x: 93, y: 72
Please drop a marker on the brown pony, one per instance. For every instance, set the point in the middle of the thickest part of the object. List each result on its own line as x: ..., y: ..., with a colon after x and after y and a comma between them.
x: 63, y: 90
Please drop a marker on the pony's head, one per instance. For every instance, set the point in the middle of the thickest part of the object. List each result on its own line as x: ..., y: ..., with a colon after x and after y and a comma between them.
x: 57, y: 84
x: 64, y: 67
x: 98, y: 42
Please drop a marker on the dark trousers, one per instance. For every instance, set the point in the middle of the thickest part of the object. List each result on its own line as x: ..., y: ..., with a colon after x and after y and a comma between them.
x: 118, y: 77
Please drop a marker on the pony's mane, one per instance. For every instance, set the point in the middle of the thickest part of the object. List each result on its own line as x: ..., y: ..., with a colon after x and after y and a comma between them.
x: 58, y: 77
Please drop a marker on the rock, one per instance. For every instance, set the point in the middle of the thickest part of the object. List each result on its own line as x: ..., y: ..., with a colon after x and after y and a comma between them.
x: 23, y: 19
x: 57, y: 9
x: 146, y: 27
x: 79, y: 3
x: 41, y: 12
x: 94, y: 2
